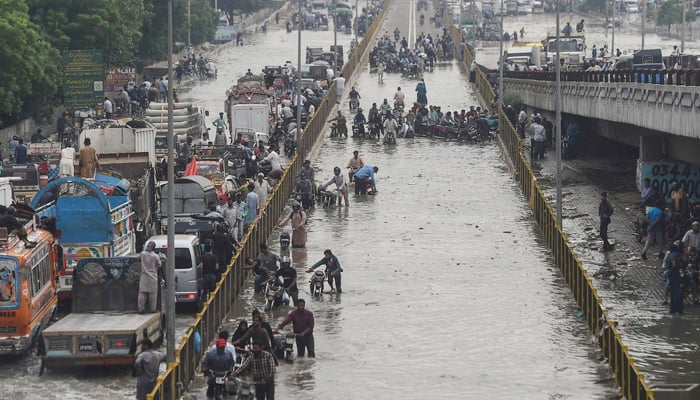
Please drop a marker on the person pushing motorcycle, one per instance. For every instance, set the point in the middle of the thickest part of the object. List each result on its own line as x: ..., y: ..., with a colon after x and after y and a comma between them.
x: 360, y: 122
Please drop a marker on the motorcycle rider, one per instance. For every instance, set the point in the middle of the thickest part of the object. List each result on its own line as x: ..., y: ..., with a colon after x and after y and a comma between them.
x: 341, y: 123
x: 333, y: 269
x: 218, y: 360
x: 360, y: 122
x: 262, y: 365
x: 390, y: 127
x: 304, y: 187
x: 268, y: 259
x: 307, y: 170
x: 398, y: 98
x: 355, y: 96
x: 385, y: 106
x: 365, y: 173
x: 340, y: 184
x: 354, y: 164
x: 691, y: 239
x: 289, y: 275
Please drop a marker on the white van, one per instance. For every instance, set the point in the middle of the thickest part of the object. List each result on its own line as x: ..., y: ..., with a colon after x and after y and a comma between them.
x: 189, y: 285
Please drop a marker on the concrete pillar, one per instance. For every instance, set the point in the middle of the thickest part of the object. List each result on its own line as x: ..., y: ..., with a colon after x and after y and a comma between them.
x: 651, y: 148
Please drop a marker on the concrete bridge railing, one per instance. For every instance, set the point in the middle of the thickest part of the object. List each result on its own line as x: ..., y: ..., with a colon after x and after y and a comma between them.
x: 665, y: 108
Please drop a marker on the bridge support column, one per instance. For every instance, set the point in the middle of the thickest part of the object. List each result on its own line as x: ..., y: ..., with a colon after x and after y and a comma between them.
x: 651, y: 148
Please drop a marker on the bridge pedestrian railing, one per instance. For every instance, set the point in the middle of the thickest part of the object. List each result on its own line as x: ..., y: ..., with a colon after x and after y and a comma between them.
x: 174, y: 381
x: 642, y: 76
x: 626, y: 373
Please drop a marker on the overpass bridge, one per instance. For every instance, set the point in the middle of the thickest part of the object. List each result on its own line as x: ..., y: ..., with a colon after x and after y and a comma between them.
x: 656, y: 111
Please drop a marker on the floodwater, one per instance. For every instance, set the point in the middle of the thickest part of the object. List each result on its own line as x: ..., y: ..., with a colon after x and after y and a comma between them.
x: 627, y: 38
x: 447, y: 291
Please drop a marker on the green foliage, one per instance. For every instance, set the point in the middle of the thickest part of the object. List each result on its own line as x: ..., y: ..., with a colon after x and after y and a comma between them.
x: 229, y: 7
x: 30, y: 72
x: 593, y: 6
x: 513, y: 100
x: 671, y: 13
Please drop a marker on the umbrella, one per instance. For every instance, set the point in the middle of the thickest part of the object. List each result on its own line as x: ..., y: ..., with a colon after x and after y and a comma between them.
x: 192, y: 168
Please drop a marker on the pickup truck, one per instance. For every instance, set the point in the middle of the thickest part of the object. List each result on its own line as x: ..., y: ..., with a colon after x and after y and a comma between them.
x: 104, y: 326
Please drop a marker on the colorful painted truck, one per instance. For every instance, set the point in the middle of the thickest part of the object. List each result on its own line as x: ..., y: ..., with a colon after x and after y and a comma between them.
x: 94, y: 218
x: 28, y: 297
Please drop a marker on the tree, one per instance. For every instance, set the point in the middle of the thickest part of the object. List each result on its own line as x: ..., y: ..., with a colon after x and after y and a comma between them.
x: 229, y: 7
x: 30, y: 73
x: 113, y: 26
x: 671, y: 13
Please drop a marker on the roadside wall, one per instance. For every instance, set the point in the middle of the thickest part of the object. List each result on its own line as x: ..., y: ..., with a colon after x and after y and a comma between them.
x: 623, y: 367
x: 175, y: 380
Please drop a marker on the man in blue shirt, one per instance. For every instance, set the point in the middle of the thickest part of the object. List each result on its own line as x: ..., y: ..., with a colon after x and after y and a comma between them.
x: 655, y: 231
x: 252, y: 205
x: 21, y: 152
x: 361, y: 177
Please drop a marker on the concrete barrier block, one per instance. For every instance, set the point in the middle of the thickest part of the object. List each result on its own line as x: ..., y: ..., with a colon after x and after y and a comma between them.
x: 665, y: 391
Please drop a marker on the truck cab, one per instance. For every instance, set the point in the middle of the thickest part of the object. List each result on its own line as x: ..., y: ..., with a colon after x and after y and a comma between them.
x: 572, y: 49
x: 193, y: 197
x: 26, y: 182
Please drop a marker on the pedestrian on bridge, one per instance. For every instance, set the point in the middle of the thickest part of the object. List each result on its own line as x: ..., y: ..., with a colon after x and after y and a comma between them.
x: 605, y: 211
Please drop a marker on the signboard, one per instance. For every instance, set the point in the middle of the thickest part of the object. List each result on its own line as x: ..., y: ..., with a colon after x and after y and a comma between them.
x: 666, y: 174
x: 225, y: 33
x: 118, y: 78
x: 84, y: 74
x: 44, y: 148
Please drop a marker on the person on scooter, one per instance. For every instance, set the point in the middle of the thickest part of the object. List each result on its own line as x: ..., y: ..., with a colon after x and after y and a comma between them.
x: 360, y: 122
x: 390, y: 127
x: 691, y: 239
x: 340, y: 184
x: 304, y: 188
x: 398, y: 98
x: 333, y: 269
x: 217, y: 360
x: 362, y: 176
x: 298, y: 218
x: 354, y: 164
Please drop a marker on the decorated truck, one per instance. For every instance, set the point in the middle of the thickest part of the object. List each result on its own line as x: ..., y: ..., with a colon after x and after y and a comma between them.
x: 93, y: 219
x: 249, y: 105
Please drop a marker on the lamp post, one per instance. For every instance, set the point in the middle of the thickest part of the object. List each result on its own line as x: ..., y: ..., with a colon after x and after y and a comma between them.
x: 335, y: 38
x: 612, y: 47
x: 557, y: 120
x: 299, y: 130
x: 500, y: 63
x: 189, y: 24
x: 170, y: 252
x: 683, y: 27
x: 643, y: 4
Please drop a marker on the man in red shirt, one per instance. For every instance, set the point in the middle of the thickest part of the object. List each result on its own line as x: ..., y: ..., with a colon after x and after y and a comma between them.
x: 303, y: 323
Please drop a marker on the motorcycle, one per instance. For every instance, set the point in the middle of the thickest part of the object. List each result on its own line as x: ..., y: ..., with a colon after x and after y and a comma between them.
x: 305, y: 199
x: 354, y: 104
x: 351, y: 173
x: 334, y: 129
x: 284, y: 241
x: 326, y: 198
x: 275, y: 296
x: 245, y: 389
x: 219, y: 380
x: 390, y: 138
x: 285, y: 347
x: 373, y: 130
x: 358, y: 131
x: 317, y: 282
x: 290, y: 146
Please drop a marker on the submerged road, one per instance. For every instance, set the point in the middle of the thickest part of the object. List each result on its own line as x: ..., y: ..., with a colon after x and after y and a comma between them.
x: 447, y: 292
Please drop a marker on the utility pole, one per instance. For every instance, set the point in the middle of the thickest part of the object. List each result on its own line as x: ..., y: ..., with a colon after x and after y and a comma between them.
x: 683, y: 28
x: 643, y: 3
x: 299, y: 130
x: 557, y: 120
x: 335, y: 38
x: 170, y: 252
x: 357, y: 18
x: 612, y: 48
x: 500, y: 63
x: 189, y: 24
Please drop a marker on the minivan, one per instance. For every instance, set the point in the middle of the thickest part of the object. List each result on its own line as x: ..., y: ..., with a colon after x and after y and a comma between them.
x: 189, y: 286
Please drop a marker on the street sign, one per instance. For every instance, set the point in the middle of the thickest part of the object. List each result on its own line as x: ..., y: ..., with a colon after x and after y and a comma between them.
x: 84, y: 74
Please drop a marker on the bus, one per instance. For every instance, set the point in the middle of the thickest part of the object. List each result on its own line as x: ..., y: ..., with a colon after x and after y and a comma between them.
x: 28, y: 288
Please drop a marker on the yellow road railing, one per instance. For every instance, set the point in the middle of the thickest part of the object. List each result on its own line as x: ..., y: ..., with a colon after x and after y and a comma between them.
x: 622, y: 364
x: 174, y: 381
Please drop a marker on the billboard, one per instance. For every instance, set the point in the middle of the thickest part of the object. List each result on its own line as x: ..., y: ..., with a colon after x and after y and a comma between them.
x: 83, y: 78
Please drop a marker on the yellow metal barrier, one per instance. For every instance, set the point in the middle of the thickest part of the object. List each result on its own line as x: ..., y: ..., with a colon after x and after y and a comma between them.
x: 173, y: 383
x: 622, y: 364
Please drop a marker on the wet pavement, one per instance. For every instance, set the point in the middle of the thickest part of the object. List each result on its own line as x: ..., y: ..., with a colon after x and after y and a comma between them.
x: 665, y: 347
x: 447, y: 291
x: 627, y: 38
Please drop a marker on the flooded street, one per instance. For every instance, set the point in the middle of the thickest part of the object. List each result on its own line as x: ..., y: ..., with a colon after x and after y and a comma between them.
x: 447, y: 292
x: 627, y: 38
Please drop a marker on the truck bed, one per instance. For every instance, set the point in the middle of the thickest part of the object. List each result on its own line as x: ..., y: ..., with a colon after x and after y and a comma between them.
x: 100, y: 323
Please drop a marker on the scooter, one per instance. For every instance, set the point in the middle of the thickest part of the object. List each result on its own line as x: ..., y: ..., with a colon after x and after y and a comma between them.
x: 317, y: 282
x: 246, y: 389
x: 390, y: 138
x: 326, y: 198
x: 305, y: 199
x: 289, y: 347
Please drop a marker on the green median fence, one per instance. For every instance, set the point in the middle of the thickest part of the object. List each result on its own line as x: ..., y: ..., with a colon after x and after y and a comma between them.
x: 178, y: 375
